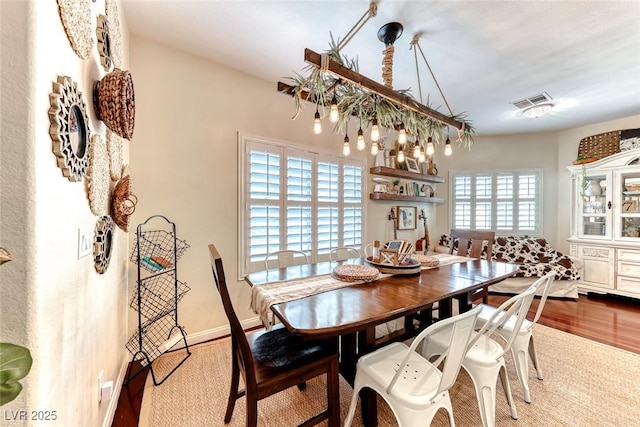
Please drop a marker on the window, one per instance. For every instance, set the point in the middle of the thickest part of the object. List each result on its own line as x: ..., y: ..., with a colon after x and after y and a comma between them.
x: 292, y: 198
x: 508, y: 202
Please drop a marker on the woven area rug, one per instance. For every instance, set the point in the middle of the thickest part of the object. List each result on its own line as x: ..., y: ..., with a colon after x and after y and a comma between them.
x: 585, y: 384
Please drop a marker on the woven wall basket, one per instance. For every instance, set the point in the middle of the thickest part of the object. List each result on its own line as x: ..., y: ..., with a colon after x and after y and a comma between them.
x: 114, y: 102
x: 123, y: 203
x: 599, y: 146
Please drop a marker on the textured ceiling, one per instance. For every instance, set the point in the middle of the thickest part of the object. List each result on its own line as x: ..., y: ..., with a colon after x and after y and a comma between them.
x: 484, y: 54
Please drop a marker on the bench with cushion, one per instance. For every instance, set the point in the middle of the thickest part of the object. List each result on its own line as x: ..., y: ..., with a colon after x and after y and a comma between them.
x: 535, y: 258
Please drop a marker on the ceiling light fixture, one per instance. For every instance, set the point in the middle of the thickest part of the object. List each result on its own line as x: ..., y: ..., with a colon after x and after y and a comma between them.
x: 332, y: 76
x: 317, y: 125
x: 537, y: 110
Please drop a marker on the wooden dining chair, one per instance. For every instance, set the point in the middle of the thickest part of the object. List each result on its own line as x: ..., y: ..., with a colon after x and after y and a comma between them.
x: 285, y: 258
x: 471, y: 243
x: 273, y: 361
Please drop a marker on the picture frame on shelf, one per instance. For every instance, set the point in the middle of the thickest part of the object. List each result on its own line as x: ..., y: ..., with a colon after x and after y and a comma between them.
x: 412, y: 165
x: 406, y: 217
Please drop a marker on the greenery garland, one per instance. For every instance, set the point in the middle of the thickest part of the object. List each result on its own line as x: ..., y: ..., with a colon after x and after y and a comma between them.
x: 354, y: 101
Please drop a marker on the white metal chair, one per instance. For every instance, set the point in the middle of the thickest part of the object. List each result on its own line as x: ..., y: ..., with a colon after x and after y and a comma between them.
x: 343, y: 253
x: 524, y: 338
x: 413, y: 387
x: 368, y: 250
x: 484, y: 360
x: 286, y: 258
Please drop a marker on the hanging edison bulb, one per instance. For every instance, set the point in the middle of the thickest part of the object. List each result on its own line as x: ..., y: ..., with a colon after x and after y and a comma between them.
x: 416, y: 150
x: 375, y: 131
x: 422, y: 158
x: 447, y: 147
x: 375, y: 148
x: 361, y: 144
x: 346, y: 147
x: 402, y: 135
x: 430, y: 148
x: 334, y: 114
x: 400, y: 157
x: 317, y: 125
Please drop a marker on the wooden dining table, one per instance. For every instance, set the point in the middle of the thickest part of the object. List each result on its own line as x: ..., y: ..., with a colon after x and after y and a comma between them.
x: 352, y: 312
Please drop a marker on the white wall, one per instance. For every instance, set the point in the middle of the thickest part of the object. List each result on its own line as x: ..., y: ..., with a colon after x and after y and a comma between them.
x: 68, y: 315
x: 507, y: 152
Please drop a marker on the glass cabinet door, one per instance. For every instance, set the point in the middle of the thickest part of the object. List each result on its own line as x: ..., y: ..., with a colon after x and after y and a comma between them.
x: 629, y: 205
x: 594, y: 207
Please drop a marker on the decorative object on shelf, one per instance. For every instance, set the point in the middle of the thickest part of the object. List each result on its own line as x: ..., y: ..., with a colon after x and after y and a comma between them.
x: 116, y: 155
x: 69, y: 128
x: 629, y: 139
x: 123, y: 203
x: 76, y: 19
x: 115, y: 37
x: 114, y: 102
x: 593, y: 187
x: 380, y: 185
x: 334, y: 83
x: 412, y: 165
x: 98, y: 176
x: 156, y: 252
x: 406, y: 217
x: 422, y: 244
x: 599, y: 146
x: 104, y: 43
x: 102, y: 243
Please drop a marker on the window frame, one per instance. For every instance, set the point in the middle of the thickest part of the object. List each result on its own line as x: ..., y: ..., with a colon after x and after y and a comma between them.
x: 514, y: 231
x: 245, y: 143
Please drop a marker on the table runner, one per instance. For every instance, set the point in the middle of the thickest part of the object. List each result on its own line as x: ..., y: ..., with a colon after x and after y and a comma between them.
x: 265, y: 295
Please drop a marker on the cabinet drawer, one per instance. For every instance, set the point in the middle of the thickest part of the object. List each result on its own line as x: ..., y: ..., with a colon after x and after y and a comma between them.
x: 593, y: 252
x: 597, y: 272
x: 629, y: 284
x: 628, y: 255
x: 630, y: 269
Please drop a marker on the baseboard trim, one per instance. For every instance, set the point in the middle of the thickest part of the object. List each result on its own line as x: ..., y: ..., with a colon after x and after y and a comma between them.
x: 215, y: 333
x: 115, y: 397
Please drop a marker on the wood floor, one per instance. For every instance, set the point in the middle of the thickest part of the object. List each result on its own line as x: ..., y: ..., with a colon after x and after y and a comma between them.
x: 610, y: 320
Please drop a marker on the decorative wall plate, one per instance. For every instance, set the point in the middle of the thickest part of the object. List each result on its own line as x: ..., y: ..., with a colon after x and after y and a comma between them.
x: 123, y: 203
x: 114, y: 102
x: 104, y: 43
x: 116, y: 154
x: 69, y: 128
x: 98, y: 177
x: 102, y: 243
x: 76, y: 19
x: 113, y: 19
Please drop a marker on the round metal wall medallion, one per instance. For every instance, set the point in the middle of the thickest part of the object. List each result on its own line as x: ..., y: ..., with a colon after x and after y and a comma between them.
x: 102, y: 243
x: 69, y: 128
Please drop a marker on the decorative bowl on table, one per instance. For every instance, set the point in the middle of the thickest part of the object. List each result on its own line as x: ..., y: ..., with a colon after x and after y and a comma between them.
x: 355, y: 273
x: 426, y: 260
x: 407, y: 266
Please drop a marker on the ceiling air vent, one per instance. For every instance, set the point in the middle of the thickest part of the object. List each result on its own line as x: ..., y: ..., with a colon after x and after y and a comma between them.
x: 532, y: 100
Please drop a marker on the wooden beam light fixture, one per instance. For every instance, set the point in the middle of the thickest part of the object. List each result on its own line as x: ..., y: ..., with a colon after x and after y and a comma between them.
x: 334, y: 85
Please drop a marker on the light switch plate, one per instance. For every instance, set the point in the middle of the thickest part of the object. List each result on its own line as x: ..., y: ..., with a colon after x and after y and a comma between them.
x: 85, y: 242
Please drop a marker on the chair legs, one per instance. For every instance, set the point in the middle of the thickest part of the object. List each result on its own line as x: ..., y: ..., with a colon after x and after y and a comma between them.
x: 485, y: 381
x: 534, y: 358
x: 233, y: 390
x: 333, y: 394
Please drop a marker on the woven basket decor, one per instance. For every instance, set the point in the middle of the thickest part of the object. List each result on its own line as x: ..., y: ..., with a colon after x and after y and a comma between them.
x: 115, y: 102
x: 599, y: 146
x: 123, y: 203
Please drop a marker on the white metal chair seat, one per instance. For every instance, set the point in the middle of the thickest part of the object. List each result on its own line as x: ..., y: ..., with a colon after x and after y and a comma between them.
x: 484, y: 360
x: 413, y: 387
x: 523, y: 341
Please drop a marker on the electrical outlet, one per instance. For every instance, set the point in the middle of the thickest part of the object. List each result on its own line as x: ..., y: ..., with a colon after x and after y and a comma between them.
x: 100, y: 382
x: 85, y: 242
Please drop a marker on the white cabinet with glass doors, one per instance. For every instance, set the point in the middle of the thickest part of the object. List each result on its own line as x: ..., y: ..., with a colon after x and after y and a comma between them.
x: 605, y: 223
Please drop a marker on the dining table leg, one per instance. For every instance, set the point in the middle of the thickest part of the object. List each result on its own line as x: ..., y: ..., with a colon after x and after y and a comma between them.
x: 348, y: 357
x: 368, y: 399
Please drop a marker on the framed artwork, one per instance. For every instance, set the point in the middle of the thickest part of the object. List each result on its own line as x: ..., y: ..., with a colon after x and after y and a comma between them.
x: 406, y: 217
x: 412, y: 165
